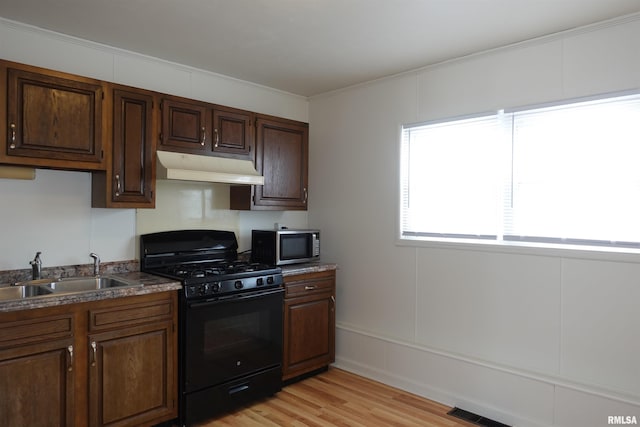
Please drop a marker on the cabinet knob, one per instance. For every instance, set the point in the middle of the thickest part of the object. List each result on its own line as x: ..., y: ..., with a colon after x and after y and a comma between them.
x: 13, y: 136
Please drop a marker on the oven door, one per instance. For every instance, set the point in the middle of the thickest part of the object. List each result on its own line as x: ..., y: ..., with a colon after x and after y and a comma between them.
x: 231, y: 337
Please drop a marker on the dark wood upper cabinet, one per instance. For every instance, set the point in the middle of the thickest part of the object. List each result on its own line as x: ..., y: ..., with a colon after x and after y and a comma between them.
x: 63, y: 121
x: 195, y: 127
x: 53, y: 119
x: 129, y: 182
x: 186, y: 126
x: 282, y: 150
x: 233, y: 132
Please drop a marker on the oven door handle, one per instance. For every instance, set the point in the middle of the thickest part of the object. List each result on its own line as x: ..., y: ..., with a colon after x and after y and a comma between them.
x: 233, y: 298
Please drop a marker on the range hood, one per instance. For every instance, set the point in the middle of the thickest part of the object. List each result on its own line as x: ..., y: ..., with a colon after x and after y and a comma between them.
x: 190, y: 167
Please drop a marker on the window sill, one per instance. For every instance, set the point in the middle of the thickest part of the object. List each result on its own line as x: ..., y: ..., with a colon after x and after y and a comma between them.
x: 596, y: 253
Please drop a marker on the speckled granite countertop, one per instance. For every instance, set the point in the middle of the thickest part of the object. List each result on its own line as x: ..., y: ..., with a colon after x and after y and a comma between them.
x: 126, y: 270
x: 151, y: 284
x: 309, y: 267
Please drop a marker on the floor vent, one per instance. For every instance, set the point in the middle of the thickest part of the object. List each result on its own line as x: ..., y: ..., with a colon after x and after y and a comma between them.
x: 474, y: 418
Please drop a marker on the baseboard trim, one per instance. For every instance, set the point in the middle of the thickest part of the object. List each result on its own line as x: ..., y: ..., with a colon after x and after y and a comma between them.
x: 547, y: 379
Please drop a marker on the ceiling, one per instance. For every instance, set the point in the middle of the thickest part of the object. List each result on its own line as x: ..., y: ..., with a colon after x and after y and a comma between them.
x: 308, y: 47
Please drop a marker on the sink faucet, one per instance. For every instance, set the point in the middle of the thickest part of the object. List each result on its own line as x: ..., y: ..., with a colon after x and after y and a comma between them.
x: 96, y: 263
x: 36, y: 267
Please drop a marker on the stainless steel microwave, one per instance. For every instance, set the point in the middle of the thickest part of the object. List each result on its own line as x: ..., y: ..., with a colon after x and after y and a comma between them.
x: 285, y: 246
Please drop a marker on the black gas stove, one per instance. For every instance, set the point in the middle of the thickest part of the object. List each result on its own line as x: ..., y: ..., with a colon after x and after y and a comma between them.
x: 221, y: 278
x: 230, y: 320
x: 206, y: 262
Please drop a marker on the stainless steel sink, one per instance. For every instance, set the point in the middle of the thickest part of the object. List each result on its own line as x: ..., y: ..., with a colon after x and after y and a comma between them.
x: 84, y: 284
x: 22, y: 291
x: 71, y: 285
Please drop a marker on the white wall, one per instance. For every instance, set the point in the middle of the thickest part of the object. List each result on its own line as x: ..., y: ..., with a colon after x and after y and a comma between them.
x: 53, y: 214
x: 529, y: 338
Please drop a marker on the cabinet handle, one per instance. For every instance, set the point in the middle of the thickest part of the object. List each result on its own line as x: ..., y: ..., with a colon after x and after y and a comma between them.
x: 333, y: 303
x: 204, y: 136
x: 309, y: 288
x: 118, y: 186
x: 70, y: 366
x: 93, y: 353
x: 306, y: 195
x: 216, y: 138
x: 13, y: 136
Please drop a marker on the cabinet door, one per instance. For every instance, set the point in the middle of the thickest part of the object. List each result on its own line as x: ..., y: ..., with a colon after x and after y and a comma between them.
x: 37, y: 370
x: 37, y: 386
x: 282, y: 150
x: 309, y: 342
x: 53, y: 120
x: 232, y: 132
x: 185, y: 127
x: 129, y: 376
x: 309, y: 322
x: 282, y: 158
x: 133, y: 361
x: 131, y: 181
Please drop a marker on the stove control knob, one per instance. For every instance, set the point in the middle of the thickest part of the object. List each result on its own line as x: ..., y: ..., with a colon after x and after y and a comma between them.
x: 215, y: 287
x: 259, y: 281
x: 238, y: 284
x: 270, y: 280
x: 202, y: 290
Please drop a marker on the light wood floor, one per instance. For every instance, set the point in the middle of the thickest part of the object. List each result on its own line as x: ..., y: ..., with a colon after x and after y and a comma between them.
x: 339, y: 398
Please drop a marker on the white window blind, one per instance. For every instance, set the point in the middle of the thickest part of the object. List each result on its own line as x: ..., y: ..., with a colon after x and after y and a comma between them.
x: 567, y: 174
x: 451, y: 170
x: 576, y: 174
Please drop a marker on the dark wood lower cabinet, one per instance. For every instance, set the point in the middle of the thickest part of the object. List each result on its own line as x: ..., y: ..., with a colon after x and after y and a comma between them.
x: 104, y: 363
x: 309, y: 323
x: 36, y: 386
x: 126, y: 380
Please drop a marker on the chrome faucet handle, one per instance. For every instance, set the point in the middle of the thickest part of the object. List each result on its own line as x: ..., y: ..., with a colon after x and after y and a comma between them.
x: 36, y: 267
x: 96, y: 263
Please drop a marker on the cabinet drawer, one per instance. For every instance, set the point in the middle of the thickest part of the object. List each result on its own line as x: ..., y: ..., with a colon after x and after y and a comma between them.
x: 128, y: 315
x: 307, y: 284
x: 35, y: 330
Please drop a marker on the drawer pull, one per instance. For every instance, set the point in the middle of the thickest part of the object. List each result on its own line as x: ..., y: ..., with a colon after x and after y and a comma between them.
x: 70, y: 366
x: 93, y: 353
x: 309, y: 288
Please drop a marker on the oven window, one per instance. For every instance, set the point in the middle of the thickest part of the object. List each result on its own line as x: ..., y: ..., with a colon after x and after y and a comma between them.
x: 236, y: 334
x: 294, y: 246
